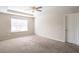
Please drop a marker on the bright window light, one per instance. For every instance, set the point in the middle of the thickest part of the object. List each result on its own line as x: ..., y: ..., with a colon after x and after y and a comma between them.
x: 19, y: 25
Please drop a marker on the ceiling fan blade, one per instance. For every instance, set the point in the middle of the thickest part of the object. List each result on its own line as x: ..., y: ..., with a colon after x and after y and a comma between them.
x: 39, y: 7
x: 39, y: 10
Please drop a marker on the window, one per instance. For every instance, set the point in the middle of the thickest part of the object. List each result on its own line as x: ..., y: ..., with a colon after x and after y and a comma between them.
x: 18, y: 25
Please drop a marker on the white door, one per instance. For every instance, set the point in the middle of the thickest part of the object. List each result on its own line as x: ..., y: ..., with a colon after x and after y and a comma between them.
x: 71, y: 28
x: 77, y: 28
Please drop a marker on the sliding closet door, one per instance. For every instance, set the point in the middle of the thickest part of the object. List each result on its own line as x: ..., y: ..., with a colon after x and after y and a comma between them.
x: 71, y: 28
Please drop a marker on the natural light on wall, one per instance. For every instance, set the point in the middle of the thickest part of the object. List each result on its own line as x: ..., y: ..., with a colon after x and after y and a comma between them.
x: 19, y: 25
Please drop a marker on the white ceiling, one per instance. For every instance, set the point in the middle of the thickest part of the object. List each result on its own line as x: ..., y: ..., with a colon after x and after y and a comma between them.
x: 28, y: 10
x: 19, y: 10
x: 63, y: 9
x: 25, y: 9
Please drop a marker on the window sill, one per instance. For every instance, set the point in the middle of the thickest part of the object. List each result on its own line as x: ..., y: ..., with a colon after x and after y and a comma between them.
x: 19, y: 32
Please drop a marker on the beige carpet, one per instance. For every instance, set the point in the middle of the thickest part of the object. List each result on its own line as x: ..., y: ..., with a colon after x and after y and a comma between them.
x: 36, y: 44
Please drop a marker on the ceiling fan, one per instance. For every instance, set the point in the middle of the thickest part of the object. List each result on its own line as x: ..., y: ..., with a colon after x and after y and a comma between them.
x: 36, y: 8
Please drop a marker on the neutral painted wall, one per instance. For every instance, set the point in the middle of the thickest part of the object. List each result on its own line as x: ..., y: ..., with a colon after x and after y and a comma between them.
x: 50, y: 23
x: 5, y: 27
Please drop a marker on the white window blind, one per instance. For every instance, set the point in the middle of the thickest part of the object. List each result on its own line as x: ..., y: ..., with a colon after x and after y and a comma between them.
x: 18, y: 25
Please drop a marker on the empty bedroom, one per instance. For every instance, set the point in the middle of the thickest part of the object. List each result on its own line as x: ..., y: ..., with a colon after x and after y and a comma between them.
x: 39, y: 29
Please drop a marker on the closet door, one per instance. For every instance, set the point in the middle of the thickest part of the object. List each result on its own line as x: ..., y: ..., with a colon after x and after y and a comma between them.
x: 77, y: 28
x: 71, y: 28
